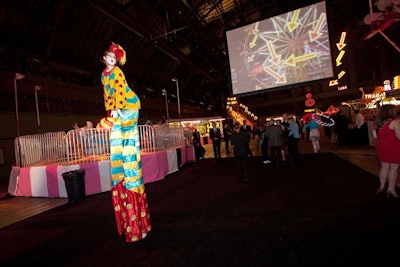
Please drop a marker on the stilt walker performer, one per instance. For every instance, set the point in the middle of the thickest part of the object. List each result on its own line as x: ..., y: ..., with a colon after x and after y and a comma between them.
x: 127, y: 188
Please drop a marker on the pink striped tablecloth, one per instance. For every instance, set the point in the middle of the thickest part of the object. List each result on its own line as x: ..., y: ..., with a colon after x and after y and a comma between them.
x: 47, y: 181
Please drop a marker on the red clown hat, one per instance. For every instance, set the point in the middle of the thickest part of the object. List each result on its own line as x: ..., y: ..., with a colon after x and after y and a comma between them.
x: 119, y: 53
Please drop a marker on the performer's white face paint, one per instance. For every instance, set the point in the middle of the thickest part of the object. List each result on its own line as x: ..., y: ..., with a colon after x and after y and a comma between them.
x: 110, y: 59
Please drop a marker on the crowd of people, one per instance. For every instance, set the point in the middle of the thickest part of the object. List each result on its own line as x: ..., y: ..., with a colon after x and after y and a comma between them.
x: 278, y: 140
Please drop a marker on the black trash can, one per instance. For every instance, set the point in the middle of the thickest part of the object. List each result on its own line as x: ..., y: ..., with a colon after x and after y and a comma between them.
x: 75, y: 185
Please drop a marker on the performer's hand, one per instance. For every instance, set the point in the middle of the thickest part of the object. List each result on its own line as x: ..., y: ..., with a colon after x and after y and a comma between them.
x: 114, y: 113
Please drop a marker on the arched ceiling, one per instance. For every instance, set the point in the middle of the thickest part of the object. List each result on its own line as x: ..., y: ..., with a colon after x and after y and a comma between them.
x: 64, y: 40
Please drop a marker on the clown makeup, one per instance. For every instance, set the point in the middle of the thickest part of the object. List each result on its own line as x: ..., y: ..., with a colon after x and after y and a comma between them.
x: 110, y: 59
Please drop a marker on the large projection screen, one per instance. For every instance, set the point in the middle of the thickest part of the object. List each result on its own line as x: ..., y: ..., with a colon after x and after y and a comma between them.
x: 288, y: 49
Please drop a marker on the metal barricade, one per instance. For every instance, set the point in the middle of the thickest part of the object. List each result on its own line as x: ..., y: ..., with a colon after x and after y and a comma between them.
x: 169, y: 136
x: 88, y: 145
x: 147, y: 138
x: 40, y: 149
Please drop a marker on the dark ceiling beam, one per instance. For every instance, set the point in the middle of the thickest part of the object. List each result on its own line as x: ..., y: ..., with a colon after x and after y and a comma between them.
x: 59, y: 8
x: 56, y: 65
x: 112, y: 11
x: 195, y: 21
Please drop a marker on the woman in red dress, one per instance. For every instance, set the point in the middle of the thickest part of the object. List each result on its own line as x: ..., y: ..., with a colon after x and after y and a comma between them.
x: 387, y: 148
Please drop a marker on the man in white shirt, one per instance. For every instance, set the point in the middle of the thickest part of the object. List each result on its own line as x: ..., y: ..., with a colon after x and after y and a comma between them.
x: 359, y: 119
x: 361, y: 132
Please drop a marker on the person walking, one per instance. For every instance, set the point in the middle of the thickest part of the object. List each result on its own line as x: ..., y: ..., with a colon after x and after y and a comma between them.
x: 264, y: 143
x: 293, y: 142
x: 341, y: 128
x: 239, y: 140
x: 198, y: 148
x: 285, y: 127
x: 128, y: 193
x: 247, y: 129
x: 274, y: 134
x: 387, y: 146
x: 360, y: 129
x: 215, y: 135
x: 227, y: 131
x: 313, y: 126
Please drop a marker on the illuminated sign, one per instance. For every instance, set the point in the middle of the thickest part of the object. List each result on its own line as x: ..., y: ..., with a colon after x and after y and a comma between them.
x: 341, y: 43
x: 339, y: 58
x: 396, y: 82
x: 309, y: 102
x: 340, y: 46
x: 375, y: 96
x: 231, y: 101
x: 333, y: 82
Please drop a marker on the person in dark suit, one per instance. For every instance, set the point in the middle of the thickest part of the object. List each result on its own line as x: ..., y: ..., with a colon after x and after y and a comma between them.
x: 198, y: 148
x: 196, y: 137
x: 239, y: 140
x: 341, y: 128
x: 215, y: 136
x: 274, y: 134
x: 227, y: 131
x: 247, y: 129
